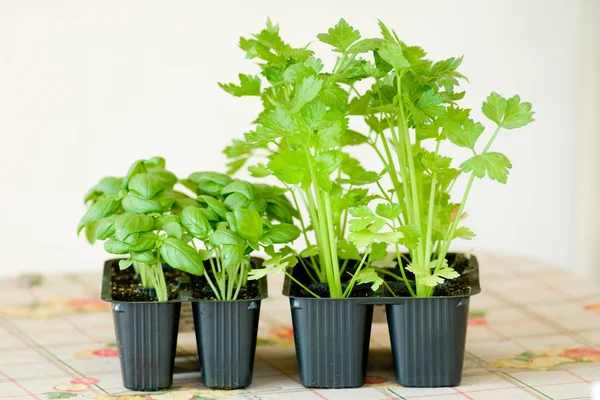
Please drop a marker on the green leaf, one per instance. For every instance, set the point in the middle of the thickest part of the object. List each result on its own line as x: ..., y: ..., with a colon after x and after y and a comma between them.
x: 210, y: 183
x: 143, y: 256
x: 418, y: 269
x: 114, y: 246
x: 279, y: 234
x: 388, y: 210
x: 249, y: 86
x: 431, y: 280
x: 464, y: 233
x: 310, y: 251
x: 347, y: 251
x: 448, y: 273
x: 195, y: 222
x: 129, y: 223
x: 366, y: 45
x: 182, y: 256
x: 248, y: 224
x: 353, y: 138
x: 290, y: 166
x: 107, y: 186
x: 231, y: 255
x: 434, y: 162
x: 307, y: 91
x: 206, y: 254
x: 277, y: 121
x: 148, y: 184
x: 142, y: 241
x: 101, y: 209
x: 215, y: 205
x: 509, y: 114
x: 242, y: 194
x: 136, y: 168
x: 125, y: 263
x: 465, y: 134
x: 105, y: 228
x: 369, y: 275
x: 237, y: 148
x: 392, y: 54
x: 495, y: 165
x: 378, y: 251
x: 411, y: 234
x: 259, y: 170
x: 136, y: 203
x: 334, y: 96
x: 222, y: 237
x: 385, y: 32
x: 173, y: 229
x: 341, y: 36
x: 235, y: 165
x: 295, y: 73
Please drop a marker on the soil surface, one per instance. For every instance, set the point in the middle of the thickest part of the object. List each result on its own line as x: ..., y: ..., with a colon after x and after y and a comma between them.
x: 456, y: 287
x: 126, y: 286
x: 202, y: 290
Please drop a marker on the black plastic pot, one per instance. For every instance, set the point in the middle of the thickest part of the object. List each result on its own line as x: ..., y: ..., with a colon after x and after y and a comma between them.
x: 147, y: 340
x: 331, y: 337
x: 332, y: 341
x: 146, y: 335
x: 226, y: 338
x: 428, y: 336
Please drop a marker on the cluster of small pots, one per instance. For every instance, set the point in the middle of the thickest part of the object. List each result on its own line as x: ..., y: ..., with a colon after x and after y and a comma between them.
x: 331, y: 337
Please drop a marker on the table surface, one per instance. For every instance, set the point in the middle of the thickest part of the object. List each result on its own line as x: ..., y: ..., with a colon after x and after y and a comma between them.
x: 534, y: 333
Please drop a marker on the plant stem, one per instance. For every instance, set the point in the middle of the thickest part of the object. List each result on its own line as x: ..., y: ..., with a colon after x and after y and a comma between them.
x: 301, y: 285
x: 355, y: 276
x: 406, y: 281
x: 409, y: 156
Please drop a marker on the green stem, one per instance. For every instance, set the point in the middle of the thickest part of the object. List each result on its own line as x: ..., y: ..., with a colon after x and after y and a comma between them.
x: 210, y: 283
x: 409, y: 156
x: 301, y: 285
x: 401, y: 265
x: 355, y: 276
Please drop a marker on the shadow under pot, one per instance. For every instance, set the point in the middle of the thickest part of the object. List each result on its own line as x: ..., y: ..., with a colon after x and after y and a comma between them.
x: 226, y: 334
x: 331, y: 337
x: 428, y: 334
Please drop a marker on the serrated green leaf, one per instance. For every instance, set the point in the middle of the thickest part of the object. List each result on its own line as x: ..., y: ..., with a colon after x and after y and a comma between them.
x: 341, y: 36
x: 465, y: 134
x: 465, y: 233
x: 369, y: 275
x: 388, y: 210
x: 393, y: 55
x: 307, y: 91
x: 249, y: 86
x: 259, y: 170
x: 509, y: 114
x: 495, y: 165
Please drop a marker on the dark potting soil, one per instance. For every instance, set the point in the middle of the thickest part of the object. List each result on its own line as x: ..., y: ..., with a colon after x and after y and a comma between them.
x: 460, y: 286
x: 202, y: 290
x: 125, y: 285
x: 455, y: 287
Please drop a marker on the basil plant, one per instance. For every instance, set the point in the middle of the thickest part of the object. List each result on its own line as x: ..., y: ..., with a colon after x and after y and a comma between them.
x: 144, y: 217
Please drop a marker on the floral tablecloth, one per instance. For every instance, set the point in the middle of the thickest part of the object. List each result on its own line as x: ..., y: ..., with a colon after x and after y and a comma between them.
x: 534, y: 333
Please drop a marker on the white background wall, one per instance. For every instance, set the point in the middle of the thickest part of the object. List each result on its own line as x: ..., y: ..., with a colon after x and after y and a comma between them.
x: 86, y: 87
